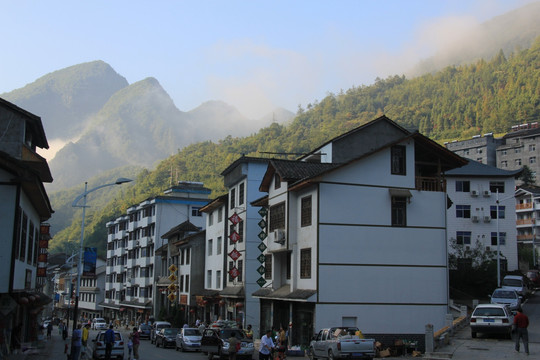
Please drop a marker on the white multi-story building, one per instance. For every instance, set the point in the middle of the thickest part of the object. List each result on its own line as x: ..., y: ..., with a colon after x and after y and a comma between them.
x: 132, y: 269
x: 527, y: 212
x: 483, y: 205
x: 357, y: 236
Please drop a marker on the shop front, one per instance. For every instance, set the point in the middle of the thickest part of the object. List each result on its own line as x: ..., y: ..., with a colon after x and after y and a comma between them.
x: 233, y: 304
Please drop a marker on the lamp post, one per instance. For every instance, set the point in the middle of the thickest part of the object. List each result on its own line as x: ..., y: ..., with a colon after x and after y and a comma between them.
x: 119, y: 181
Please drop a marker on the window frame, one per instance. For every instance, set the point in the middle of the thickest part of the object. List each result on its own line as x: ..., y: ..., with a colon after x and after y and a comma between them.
x: 305, y: 263
x: 399, y: 211
x: 306, y: 211
x: 463, y: 211
x: 398, y: 160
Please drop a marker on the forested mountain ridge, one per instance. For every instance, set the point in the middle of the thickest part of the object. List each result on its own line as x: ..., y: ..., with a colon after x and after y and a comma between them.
x: 487, y: 96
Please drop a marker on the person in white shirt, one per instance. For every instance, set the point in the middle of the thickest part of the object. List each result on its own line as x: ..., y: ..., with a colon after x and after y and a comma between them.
x: 266, y: 346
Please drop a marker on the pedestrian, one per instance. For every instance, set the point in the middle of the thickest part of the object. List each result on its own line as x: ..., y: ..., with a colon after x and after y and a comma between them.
x: 84, y: 339
x: 60, y: 328
x: 76, y: 343
x: 249, y: 332
x: 64, y: 331
x: 109, y: 341
x: 233, y: 346
x: 521, y: 322
x: 281, y: 344
x: 49, y: 330
x: 267, y: 345
x: 135, y: 338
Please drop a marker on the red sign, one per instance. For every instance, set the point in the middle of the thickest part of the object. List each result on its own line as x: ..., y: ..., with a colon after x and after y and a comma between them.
x: 234, y: 272
x: 234, y: 237
x: 44, y: 229
x: 42, y: 258
x: 235, y: 219
x: 41, y: 271
x: 235, y: 254
x: 43, y: 244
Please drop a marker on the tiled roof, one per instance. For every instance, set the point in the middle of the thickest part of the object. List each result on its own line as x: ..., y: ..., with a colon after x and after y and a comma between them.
x: 291, y: 170
x: 474, y: 168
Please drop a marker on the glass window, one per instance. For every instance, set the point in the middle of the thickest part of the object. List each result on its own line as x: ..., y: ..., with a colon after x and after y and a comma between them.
x: 502, y: 238
x: 241, y: 194
x: 268, y: 267
x: 399, y: 211
x: 463, y: 211
x: 305, y: 263
x: 195, y: 211
x: 517, y: 162
x: 209, y: 279
x: 219, y: 244
x: 493, y: 212
x: 232, y: 198
x: 306, y: 211
x: 277, y: 216
x: 218, y: 278
x: 496, y: 186
x: 532, y: 160
x: 210, y: 247
x: 463, y: 186
x: 398, y: 165
x: 277, y: 181
x: 463, y: 237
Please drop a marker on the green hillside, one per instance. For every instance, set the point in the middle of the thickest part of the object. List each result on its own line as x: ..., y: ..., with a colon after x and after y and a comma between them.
x: 455, y: 102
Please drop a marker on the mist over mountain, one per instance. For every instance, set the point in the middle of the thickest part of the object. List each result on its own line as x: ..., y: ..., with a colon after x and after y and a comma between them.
x: 65, y: 99
x: 513, y: 31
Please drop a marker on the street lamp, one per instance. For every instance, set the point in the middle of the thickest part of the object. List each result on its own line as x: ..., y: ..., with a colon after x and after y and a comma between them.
x: 119, y: 181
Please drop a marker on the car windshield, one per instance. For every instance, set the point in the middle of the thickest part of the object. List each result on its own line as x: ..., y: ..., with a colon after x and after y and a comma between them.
x: 502, y: 294
x: 145, y: 327
x: 512, y: 282
x: 191, y: 332
x: 227, y: 333
x: 489, y: 312
x: 170, y: 331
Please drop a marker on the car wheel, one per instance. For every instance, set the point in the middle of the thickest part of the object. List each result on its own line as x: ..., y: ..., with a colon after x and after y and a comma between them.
x: 330, y: 355
x: 311, y: 354
x: 473, y: 334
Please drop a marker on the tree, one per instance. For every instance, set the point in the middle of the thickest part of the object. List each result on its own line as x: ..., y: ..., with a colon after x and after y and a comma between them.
x: 527, y: 176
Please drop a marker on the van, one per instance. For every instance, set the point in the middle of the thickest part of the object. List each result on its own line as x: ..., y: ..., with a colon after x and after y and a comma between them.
x: 516, y: 283
x: 156, y: 326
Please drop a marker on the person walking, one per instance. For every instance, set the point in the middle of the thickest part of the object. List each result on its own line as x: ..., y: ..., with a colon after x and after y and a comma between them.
x: 64, y: 331
x: 109, y: 342
x: 233, y: 346
x: 249, y: 332
x: 49, y: 330
x: 135, y: 338
x: 267, y: 345
x: 521, y: 322
x: 76, y: 343
x: 84, y: 339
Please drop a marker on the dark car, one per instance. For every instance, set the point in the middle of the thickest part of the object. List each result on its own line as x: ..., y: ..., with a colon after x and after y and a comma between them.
x: 167, y: 337
x: 215, y: 341
x: 534, y: 277
x: 144, y: 331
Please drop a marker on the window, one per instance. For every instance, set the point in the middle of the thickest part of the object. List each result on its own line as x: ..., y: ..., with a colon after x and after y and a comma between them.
x: 306, y: 211
x: 479, y: 160
x: 232, y: 229
x: 398, y: 160
x: 23, y: 240
x: 463, y: 237
x: 211, y: 219
x: 181, y: 283
x: 532, y: 160
x: 219, y: 245
x: 463, y: 186
x: 195, y: 211
x: 220, y: 215
x: 504, y: 152
x: 277, y: 216
x: 502, y: 238
x: 517, y: 162
x: 496, y: 186
x: 463, y: 211
x: 493, y: 212
x: 240, y: 269
x: 305, y: 264
x: 187, y: 256
x: 479, y: 151
x: 218, y: 278
x: 30, y: 243
x: 466, y: 152
x: 231, y: 265
x: 187, y: 283
x: 268, y: 267
x: 399, y: 211
x: 277, y: 181
x: 532, y: 147
x: 504, y: 163
x: 241, y: 194
x: 232, y: 198
x: 210, y: 244
x: 209, y: 279
x: 517, y: 150
x: 241, y: 231
x: 289, y: 259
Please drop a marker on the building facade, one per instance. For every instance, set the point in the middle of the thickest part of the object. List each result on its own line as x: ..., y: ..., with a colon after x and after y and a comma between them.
x: 24, y: 208
x: 350, y: 227
x: 132, y: 267
x: 483, y: 205
x: 527, y: 213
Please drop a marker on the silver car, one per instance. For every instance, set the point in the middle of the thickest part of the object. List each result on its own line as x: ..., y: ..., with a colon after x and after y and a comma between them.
x: 188, y: 339
x: 507, y: 297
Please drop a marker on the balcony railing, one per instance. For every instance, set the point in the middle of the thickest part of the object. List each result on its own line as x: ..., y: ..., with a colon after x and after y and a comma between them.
x: 525, y: 221
x: 524, y: 206
x: 430, y: 184
x: 525, y: 237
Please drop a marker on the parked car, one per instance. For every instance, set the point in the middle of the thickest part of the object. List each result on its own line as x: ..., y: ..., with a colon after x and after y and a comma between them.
x: 341, y: 342
x: 99, y: 346
x: 156, y: 327
x: 99, y: 324
x: 144, y: 331
x: 188, y: 339
x: 491, y: 319
x: 534, y: 277
x: 166, y: 337
x: 517, y: 283
x: 506, y: 297
x: 215, y: 341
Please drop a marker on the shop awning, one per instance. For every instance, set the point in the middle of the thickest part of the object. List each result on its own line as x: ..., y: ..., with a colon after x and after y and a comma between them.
x: 400, y: 192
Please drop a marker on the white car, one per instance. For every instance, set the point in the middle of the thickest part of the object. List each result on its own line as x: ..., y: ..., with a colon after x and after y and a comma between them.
x: 517, y: 283
x: 491, y: 319
x: 99, y: 346
x: 506, y: 297
x: 99, y: 324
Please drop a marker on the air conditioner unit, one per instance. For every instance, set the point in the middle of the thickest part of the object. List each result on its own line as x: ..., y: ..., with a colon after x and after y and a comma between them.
x: 487, y: 193
x: 487, y: 219
x: 279, y: 236
x: 474, y: 218
x: 474, y: 192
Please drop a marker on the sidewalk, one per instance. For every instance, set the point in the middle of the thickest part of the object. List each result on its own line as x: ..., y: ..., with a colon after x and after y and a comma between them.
x: 51, y: 349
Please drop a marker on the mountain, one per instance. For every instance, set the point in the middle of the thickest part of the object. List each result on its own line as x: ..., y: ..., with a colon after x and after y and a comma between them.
x: 510, y: 32
x: 65, y: 99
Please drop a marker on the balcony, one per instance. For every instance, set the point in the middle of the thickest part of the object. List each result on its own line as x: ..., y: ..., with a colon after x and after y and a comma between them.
x: 525, y: 222
x: 527, y: 237
x: 430, y: 184
x: 524, y: 206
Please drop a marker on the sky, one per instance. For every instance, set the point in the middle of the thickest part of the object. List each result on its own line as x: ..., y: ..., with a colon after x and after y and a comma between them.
x: 254, y: 55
